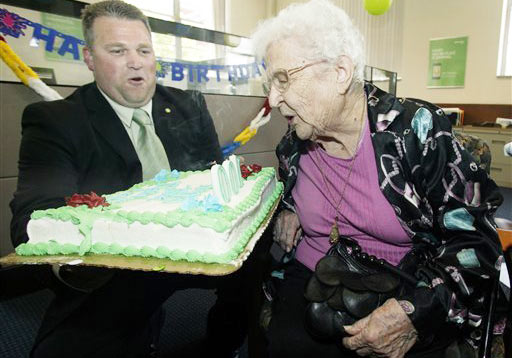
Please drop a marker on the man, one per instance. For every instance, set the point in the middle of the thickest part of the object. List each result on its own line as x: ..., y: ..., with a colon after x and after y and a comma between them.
x: 105, y: 137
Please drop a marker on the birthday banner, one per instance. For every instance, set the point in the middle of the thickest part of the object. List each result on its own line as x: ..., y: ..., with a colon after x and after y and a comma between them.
x: 200, y: 73
x: 68, y: 46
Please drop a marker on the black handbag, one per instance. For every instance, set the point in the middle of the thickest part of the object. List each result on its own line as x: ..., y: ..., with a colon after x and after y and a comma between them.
x: 346, y: 286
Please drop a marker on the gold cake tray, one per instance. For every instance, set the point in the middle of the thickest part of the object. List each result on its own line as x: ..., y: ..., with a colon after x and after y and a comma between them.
x: 146, y: 263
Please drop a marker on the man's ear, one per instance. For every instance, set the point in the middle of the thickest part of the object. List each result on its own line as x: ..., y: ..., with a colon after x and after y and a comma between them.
x: 87, y: 52
x: 345, y: 73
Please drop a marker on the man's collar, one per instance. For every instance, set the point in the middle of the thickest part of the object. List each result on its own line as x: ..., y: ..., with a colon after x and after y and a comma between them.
x: 126, y: 113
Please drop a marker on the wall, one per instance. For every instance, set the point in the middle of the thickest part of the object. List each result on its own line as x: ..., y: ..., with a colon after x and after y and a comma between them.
x: 480, y: 21
x: 242, y: 16
x: 281, y: 4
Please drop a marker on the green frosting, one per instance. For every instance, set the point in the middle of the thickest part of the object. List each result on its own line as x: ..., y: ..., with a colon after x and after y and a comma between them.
x: 24, y: 249
x: 162, y: 252
x: 85, y: 227
x: 177, y: 255
x: 193, y: 256
x: 46, y: 248
x: 39, y: 248
x: 218, y: 221
x: 115, y: 249
x: 100, y: 248
x: 68, y: 249
x: 131, y: 251
x: 159, y: 218
x: 38, y: 214
x: 53, y: 248
x: 147, y: 251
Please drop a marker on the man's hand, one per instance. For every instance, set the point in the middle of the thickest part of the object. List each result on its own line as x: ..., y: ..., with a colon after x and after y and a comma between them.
x: 386, y: 332
x: 287, y: 230
x: 83, y: 278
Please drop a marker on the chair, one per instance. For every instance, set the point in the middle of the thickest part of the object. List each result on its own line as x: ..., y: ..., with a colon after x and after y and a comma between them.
x: 505, y: 234
x: 477, y: 147
x: 482, y: 156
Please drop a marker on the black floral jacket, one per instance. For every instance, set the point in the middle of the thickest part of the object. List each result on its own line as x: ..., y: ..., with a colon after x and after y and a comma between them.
x: 443, y: 200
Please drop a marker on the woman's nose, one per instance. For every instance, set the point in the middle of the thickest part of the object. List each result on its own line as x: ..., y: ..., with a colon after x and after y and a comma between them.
x: 274, y: 97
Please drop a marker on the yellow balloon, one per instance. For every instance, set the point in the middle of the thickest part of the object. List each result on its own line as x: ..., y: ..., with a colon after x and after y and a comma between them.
x: 377, y: 7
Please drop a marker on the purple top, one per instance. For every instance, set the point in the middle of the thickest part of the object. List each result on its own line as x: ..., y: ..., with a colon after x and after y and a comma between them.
x: 365, y: 215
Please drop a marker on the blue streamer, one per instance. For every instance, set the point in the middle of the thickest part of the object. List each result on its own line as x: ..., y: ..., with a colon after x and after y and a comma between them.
x: 228, y: 149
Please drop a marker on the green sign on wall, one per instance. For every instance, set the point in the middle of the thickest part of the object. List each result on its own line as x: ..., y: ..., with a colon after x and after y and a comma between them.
x: 68, y: 26
x: 447, y: 62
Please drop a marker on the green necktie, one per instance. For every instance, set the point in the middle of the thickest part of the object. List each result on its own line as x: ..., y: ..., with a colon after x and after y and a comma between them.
x: 149, y: 149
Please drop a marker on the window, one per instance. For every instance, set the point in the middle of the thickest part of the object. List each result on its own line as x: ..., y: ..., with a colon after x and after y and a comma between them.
x: 164, y: 46
x: 505, y: 46
x: 163, y: 10
x: 197, y: 13
x: 208, y: 14
x: 234, y: 57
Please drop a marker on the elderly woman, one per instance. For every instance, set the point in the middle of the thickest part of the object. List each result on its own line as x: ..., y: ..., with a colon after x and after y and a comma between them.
x: 386, y: 173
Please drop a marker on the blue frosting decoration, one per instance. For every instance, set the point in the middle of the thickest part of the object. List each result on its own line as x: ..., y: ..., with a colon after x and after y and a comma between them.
x: 422, y: 123
x: 459, y: 219
x: 167, y: 192
x: 211, y: 203
x: 190, y: 204
x: 468, y: 258
x: 165, y: 174
x: 161, y: 176
x: 164, y: 189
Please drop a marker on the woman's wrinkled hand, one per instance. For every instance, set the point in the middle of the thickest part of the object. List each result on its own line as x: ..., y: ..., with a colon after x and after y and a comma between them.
x: 287, y: 230
x: 386, y: 332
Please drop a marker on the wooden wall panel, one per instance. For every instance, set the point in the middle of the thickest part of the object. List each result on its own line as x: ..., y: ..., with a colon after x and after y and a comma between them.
x: 479, y: 113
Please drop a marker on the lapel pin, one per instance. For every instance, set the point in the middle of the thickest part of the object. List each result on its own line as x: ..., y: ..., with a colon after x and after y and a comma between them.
x: 167, y: 110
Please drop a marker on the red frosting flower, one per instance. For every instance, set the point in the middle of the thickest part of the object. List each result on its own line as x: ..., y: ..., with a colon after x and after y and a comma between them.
x: 255, y: 168
x: 247, y: 170
x: 91, y: 200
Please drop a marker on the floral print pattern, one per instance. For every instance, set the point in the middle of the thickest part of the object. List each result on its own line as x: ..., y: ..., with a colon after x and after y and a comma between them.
x: 443, y: 198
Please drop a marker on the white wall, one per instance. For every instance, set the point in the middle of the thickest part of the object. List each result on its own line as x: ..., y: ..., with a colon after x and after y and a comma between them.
x: 281, y: 4
x: 242, y: 16
x: 477, y: 19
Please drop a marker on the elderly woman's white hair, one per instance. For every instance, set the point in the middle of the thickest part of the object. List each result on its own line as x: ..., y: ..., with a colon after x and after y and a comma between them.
x: 321, y: 27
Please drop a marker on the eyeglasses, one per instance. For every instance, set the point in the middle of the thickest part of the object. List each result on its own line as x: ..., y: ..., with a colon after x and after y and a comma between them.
x: 281, y: 78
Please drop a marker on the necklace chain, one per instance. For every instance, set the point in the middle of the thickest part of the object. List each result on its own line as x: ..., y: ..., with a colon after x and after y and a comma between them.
x: 334, y: 234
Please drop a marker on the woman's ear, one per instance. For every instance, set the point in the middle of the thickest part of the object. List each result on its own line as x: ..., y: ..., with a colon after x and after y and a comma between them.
x: 345, y: 73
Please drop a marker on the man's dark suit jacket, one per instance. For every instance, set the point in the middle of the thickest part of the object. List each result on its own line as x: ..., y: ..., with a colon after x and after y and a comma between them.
x: 79, y: 144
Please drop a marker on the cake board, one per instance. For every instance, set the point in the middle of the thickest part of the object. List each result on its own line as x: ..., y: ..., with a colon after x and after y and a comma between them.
x: 147, y: 263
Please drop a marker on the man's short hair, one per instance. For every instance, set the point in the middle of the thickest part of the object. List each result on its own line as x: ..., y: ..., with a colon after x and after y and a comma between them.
x: 109, y: 8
